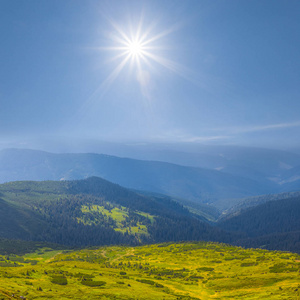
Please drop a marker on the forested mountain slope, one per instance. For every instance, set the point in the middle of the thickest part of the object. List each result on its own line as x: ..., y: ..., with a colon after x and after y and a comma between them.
x: 274, y: 225
x: 246, y: 203
x: 95, y: 212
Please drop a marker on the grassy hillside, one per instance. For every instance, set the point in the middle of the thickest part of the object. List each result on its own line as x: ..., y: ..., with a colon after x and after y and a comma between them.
x: 163, y: 271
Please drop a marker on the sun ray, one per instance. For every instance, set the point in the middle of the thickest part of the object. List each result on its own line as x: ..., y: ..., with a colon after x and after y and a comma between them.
x: 171, y: 65
x: 118, y: 56
x: 114, y: 74
x: 162, y: 34
x: 121, y: 32
x: 110, y: 79
x: 139, y: 29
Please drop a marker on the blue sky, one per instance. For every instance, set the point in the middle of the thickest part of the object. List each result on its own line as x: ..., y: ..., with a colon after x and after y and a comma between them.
x: 223, y: 72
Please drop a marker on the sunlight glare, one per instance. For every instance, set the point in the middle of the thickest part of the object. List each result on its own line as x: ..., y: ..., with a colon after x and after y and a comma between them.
x: 138, y: 48
x: 135, y: 48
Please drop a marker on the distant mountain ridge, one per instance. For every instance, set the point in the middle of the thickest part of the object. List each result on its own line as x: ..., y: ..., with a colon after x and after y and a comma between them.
x: 250, y: 162
x: 196, y: 184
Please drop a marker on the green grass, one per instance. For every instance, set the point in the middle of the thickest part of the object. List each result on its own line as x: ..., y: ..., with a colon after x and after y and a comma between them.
x: 119, y: 214
x: 162, y: 271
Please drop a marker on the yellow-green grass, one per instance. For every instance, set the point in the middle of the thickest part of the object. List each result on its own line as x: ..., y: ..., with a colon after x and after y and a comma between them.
x: 164, y: 271
x: 43, y: 254
x: 119, y: 215
x: 116, y: 214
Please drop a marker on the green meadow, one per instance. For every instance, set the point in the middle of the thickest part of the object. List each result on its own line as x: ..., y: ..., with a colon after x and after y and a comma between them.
x: 196, y: 270
x: 119, y: 215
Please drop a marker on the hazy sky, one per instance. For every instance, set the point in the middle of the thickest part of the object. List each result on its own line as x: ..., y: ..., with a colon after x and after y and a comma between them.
x: 225, y: 72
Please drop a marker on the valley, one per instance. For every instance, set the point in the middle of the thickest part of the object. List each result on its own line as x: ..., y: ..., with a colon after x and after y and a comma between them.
x: 170, y: 232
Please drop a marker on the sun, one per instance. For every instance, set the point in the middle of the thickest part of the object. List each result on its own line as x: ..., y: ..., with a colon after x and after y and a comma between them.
x: 136, y: 44
x: 139, y: 47
x: 135, y: 48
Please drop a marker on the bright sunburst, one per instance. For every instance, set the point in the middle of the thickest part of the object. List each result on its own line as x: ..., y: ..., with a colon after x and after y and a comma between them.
x: 135, y: 48
x: 139, y: 48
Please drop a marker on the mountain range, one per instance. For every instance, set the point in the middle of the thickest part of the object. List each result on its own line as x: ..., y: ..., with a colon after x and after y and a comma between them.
x: 252, y: 201
x: 240, y: 173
